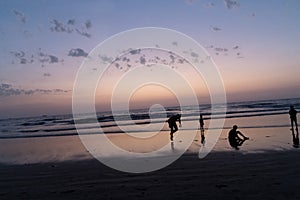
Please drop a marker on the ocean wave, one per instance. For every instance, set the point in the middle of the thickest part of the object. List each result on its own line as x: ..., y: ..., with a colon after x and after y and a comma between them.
x: 61, y: 125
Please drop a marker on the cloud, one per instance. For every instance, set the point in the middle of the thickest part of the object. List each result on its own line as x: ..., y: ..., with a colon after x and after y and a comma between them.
x: 239, y: 55
x: 28, y: 92
x: 214, y: 28
x: 210, y: 47
x: 117, y: 65
x: 59, y: 26
x: 83, y: 33
x: 190, y: 1
x: 219, y: 49
x: 18, y: 54
x: 77, y: 53
x: 88, y: 24
x: 71, y: 27
x: 21, y: 16
x: 47, y: 74
x: 8, y: 90
x: 142, y: 60
x: 71, y: 22
x: 42, y: 91
x: 209, y: 5
x: 60, y: 91
x: 24, y: 61
x: 135, y: 51
x: 125, y: 59
x: 195, y: 55
x: 172, y: 57
x: 5, y: 85
x: 146, y: 57
x: 105, y: 59
x: 46, y: 58
x: 53, y: 59
x: 231, y: 4
x: 21, y: 57
x: 181, y: 60
x: 27, y: 34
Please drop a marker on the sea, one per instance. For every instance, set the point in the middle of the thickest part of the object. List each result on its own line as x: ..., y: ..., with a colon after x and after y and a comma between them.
x: 64, y: 125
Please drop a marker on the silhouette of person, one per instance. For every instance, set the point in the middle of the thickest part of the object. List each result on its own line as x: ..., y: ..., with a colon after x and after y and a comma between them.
x: 234, y: 140
x: 293, y: 117
x: 201, y: 121
x: 172, y: 124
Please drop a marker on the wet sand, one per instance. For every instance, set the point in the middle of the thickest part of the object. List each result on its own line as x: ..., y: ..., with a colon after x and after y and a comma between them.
x: 221, y: 175
x: 266, y: 167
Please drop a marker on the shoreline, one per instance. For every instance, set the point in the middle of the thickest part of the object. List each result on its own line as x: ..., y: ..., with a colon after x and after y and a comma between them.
x: 64, y: 148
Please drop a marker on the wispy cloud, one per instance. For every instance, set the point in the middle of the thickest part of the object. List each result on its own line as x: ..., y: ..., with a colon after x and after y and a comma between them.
x: 105, y: 59
x: 20, y: 16
x: 147, y: 57
x: 60, y: 91
x: 53, y: 59
x: 88, y: 24
x: 231, y: 4
x: 83, y: 33
x: 220, y: 49
x: 224, y: 51
x: 47, y: 58
x: 71, y: 22
x: 58, y: 26
x: 77, y: 53
x: 209, y: 5
x: 195, y: 55
x: 18, y: 54
x: 190, y: 1
x: 22, y: 58
x: 47, y: 74
x: 175, y: 43
x: 142, y: 60
x: 9, y: 90
x: 71, y: 27
x: 135, y: 51
x: 215, y: 28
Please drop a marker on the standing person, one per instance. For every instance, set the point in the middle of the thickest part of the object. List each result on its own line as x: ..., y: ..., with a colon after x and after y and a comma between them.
x: 293, y: 116
x: 234, y: 139
x: 201, y: 121
x: 172, y: 124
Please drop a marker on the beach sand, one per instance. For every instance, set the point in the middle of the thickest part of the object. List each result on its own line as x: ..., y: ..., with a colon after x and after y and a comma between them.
x: 266, y: 167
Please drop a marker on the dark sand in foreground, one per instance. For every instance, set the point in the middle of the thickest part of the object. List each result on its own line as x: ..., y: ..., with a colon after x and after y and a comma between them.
x: 266, y: 167
x: 221, y: 175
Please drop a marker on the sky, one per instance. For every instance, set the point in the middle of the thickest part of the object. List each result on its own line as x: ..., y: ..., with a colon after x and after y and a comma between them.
x: 254, y: 44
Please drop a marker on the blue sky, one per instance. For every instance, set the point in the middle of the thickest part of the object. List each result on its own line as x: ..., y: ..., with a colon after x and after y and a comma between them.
x: 261, y: 39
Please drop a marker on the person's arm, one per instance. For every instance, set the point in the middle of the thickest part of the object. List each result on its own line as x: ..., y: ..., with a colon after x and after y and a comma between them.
x: 238, y: 132
x: 179, y: 120
x: 290, y: 113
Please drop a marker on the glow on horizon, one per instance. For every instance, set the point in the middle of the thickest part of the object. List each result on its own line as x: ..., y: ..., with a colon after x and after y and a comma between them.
x: 254, y: 44
x: 145, y: 95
